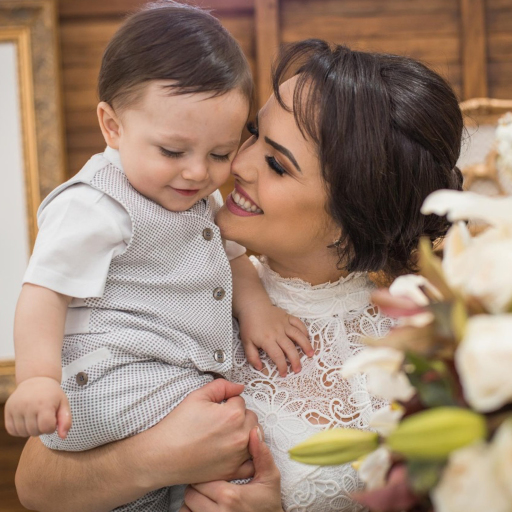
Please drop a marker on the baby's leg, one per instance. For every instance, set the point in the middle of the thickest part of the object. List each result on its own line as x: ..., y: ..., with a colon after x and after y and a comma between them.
x: 155, y: 501
x: 112, y: 403
x: 113, y: 399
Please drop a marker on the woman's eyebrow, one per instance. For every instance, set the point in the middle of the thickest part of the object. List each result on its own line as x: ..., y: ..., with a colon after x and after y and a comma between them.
x: 284, y: 151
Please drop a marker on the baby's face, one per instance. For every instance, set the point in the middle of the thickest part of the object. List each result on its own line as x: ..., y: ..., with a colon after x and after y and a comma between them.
x: 177, y: 149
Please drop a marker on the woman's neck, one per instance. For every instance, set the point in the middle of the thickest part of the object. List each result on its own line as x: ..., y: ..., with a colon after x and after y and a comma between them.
x: 317, y: 269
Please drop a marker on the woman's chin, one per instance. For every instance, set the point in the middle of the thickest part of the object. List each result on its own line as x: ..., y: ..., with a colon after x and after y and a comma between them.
x: 227, y: 223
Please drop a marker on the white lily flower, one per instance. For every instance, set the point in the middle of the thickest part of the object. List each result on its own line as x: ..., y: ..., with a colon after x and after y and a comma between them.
x: 457, y: 205
x: 480, y: 266
x: 469, y: 484
x: 384, y: 376
x: 386, y: 419
x: 409, y: 286
x: 375, y: 467
x: 484, y: 361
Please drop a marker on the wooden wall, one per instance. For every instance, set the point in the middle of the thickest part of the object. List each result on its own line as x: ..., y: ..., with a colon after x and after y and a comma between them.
x: 468, y: 41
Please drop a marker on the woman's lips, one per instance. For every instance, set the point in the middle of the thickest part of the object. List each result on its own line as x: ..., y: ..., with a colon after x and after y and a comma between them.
x: 243, y: 194
x: 238, y: 210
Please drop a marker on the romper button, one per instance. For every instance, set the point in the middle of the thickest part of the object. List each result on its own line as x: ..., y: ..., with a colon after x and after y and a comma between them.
x: 81, y: 378
x: 219, y: 356
x: 219, y: 293
x: 207, y: 234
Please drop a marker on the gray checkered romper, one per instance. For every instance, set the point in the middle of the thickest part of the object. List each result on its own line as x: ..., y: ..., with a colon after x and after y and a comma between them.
x: 162, y: 322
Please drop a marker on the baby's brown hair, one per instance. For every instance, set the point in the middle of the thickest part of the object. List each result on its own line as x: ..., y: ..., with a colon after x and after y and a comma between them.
x: 176, y: 42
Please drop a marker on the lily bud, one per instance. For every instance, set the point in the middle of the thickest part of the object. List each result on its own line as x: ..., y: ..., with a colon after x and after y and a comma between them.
x: 335, y: 446
x: 433, y: 434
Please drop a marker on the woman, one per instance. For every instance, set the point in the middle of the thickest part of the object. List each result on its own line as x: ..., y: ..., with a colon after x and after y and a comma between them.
x: 340, y: 161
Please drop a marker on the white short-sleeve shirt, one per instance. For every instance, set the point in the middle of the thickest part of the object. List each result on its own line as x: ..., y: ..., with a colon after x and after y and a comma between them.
x: 80, y: 231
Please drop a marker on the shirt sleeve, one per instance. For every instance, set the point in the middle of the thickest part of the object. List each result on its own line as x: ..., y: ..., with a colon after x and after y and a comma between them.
x: 233, y: 250
x: 80, y: 231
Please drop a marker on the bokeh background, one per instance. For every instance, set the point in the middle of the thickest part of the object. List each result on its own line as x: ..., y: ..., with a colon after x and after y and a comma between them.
x: 467, y: 41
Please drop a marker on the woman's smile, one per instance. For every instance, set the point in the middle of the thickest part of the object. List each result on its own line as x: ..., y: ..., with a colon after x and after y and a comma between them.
x: 240, y: 203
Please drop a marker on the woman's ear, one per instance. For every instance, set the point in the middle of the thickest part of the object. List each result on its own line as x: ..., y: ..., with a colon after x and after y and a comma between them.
x: 109, y: 124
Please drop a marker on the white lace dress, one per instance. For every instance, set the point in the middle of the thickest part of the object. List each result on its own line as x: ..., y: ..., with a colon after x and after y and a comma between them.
x: 292, y: 408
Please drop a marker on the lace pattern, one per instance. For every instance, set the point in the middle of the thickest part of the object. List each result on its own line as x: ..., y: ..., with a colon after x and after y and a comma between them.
x: 292, y: 408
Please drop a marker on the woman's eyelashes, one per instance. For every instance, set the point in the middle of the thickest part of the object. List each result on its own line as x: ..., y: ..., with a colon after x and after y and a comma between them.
x: 275, y: 166
x: 177, y: 154
x: 271, y: 161
x: 252, y: 129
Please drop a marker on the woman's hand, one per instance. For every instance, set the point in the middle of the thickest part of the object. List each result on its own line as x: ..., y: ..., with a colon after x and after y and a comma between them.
x: 202, y: 439
x: 395, y: 496
x: 208, y: 433
x: 261, y: 494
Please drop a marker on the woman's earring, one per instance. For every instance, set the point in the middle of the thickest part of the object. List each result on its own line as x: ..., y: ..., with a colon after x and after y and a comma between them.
x: 335, y: 244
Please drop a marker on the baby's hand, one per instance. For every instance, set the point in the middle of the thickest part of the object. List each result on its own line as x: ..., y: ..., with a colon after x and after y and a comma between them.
x: 276, y: 332
x: 38, y: 406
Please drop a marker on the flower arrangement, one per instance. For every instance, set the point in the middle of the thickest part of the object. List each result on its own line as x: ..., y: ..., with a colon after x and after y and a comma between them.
x: 446, y: 370
x: 504, y: 151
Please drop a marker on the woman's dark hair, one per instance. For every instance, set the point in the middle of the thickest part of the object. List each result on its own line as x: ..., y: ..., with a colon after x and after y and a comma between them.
x: 388, y: 133
x: 172, y: 41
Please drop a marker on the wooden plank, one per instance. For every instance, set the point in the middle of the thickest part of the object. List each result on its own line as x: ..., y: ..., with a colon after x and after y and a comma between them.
x: 97, y: 8
x: 267, y: 45
x: 372, y: 7
x: 501, y: 91
x: 301, y: 24
x: 499, y: 47
x: 500, y: 80
x: 494, y: 5
x: 499, y: 20
x: 474, y: 49
x: 80, y: 120
x: 10, y: 451
x: 439, y: 50
x: 7, y: 379
x: 91, y: 139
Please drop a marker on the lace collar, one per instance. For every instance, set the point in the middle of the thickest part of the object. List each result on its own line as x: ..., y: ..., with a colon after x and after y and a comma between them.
x: 349, y: 294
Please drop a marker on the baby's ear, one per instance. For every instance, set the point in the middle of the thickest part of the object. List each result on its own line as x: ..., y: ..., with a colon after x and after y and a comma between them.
x: 109, y: 124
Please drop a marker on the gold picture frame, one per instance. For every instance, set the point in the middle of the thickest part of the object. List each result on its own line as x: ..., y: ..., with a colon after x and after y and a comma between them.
x: 31, y: 25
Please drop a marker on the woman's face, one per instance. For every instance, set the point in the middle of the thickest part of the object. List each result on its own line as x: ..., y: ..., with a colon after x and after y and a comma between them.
x: 278, y: 206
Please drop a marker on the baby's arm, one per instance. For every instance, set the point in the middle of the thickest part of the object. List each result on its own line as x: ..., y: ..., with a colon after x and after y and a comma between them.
x: 38, y: 405
x: 263, y: 325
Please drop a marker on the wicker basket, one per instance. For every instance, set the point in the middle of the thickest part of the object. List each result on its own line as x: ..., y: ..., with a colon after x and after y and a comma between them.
x: 480, y: 172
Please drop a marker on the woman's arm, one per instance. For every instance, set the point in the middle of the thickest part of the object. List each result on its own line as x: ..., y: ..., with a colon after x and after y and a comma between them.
x: 201, y: 440
x: 261, y: 494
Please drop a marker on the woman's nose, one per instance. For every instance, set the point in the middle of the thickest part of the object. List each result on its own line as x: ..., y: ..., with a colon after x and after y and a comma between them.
x: 243, y: 165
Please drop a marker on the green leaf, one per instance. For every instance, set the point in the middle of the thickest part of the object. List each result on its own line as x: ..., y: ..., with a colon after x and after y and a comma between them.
x: 431, y: 379
x: 424, y: 475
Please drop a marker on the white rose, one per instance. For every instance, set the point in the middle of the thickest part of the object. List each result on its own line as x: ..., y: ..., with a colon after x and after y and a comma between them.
x: 484, y: 361
x: 468, y: 483
x: 384, y: 376
x: 374, y: 468
x: 482, y: 268
x: 478, y: 266
x: 501, y: 451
